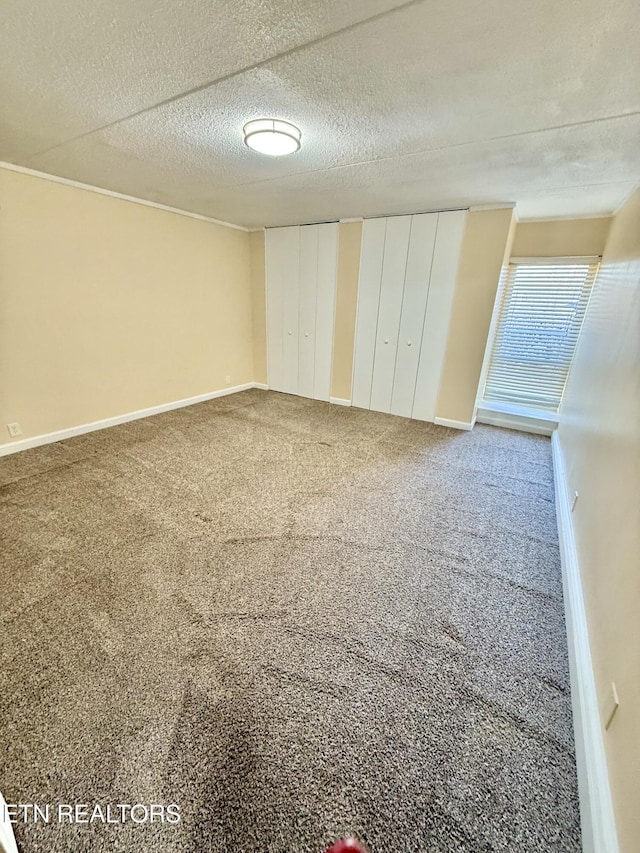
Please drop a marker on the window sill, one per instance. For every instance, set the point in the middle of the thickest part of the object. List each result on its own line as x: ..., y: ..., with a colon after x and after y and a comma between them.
x: 520, y: 418
x: 519, y: 411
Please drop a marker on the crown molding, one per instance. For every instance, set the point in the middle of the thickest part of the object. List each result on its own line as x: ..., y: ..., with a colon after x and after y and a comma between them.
x: 56, y: 179
x: 505, y: 205
x: 566, y: 218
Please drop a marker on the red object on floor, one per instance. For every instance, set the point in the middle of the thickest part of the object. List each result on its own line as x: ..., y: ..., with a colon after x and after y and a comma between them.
x: 347, y: 845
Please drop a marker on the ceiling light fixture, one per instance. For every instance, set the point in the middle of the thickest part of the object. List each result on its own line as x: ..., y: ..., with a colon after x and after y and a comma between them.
x: 272, y: 136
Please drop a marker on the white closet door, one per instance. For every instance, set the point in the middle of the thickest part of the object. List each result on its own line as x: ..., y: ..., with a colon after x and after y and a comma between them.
x: 307, y: 309
x: 290, y: 321
x: 414, y: 305
x: 325, y: 308
x: 373, y: 237
x: 396, y: 246
x: 275, y: 263
x: 444, y: 271
x: 282, y: 255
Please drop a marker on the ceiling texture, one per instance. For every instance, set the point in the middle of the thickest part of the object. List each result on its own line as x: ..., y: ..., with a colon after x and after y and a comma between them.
x: 403, y: 106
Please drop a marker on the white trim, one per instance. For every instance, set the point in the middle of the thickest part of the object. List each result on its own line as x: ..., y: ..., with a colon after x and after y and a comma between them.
x: 465, y: 425
x: 491, y: 334
x: 339, y: 401
x: 70, y: 432
x: 507, y: 205
x: 56, y: 179
x: 302, y: 225
x: 262, y: 386
x: 523, y: 423
x: 556, y: 260
x: 596, y: 808
x: 7, y: 838
x: 567, y: 217
x: 460, y: 208
x: 351, y: 219
x: 504, y: 408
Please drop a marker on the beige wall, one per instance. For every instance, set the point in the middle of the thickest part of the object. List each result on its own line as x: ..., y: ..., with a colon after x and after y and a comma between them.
x: 258, y: 307
x: 560, y: 237
x: 107, y: 306
x: 350, y: 238
x: 600, y: 438
x: 485, y: 249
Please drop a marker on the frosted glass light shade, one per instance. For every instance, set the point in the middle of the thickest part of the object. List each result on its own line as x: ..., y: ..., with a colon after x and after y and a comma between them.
x: 272, y: 136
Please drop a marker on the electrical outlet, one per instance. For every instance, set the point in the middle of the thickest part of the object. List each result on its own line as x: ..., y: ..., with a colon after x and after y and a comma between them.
x: 227, y: 379
x: 610, y: 706
x: 14, y: 429
x: 574, y: 501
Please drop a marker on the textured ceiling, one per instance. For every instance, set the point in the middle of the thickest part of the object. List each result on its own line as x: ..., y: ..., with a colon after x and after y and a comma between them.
x: 403, y: 106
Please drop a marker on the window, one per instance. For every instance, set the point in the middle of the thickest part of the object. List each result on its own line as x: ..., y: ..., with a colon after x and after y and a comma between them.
x: 541, y: 311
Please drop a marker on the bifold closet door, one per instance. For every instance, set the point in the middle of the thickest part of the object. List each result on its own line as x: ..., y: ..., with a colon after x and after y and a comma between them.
x: 318, y: 269
x: 414, y: 305
x: 301, y: 268
x: 325, y: 308
x: 442, y: 285
x: 408, y: 270
x: 394, y: 264
x: 371, y: 255
x: 308, y: 283
x: 282, y: 262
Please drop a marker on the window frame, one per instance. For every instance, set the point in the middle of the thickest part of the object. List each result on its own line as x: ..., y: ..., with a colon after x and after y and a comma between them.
x: 506, y: 410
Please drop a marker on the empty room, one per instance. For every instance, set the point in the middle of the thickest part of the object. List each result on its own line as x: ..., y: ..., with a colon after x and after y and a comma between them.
x: 320, y: 426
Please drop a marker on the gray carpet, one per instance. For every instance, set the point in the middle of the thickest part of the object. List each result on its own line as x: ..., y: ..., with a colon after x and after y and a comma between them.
x: 294, y: 620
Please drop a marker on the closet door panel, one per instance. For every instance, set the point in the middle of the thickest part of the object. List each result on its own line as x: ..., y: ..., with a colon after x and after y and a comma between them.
x: 444, y: 270
x: 290, y: 303
x: 373, y: 238
x: 414, y: 305
x: 325, y: 308
x: 394, y: 266
x: 308, y: 288
x: 276, y: 241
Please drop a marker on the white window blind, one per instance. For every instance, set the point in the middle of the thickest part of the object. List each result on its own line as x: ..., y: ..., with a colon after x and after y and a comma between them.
x: 541, y: 312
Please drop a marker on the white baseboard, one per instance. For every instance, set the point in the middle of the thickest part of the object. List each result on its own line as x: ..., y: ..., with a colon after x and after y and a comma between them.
x: 60, y: 435
x: 596, y: 809
x: 523, y: 424
x: 338, y: 401
x: 466, y: 425
x: 261, y: 385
